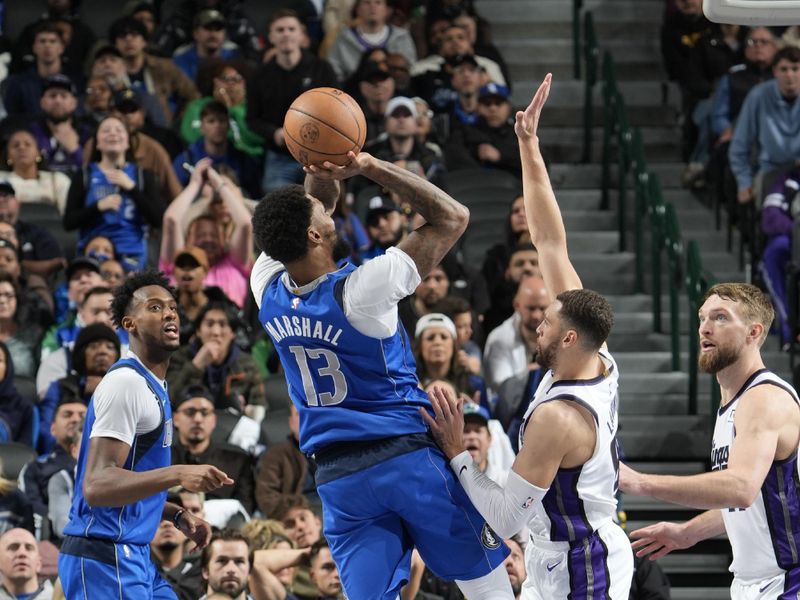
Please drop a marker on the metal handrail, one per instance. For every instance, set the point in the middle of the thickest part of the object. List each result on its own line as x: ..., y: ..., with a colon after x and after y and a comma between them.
x: 577, y: 5
x: 591, y: 55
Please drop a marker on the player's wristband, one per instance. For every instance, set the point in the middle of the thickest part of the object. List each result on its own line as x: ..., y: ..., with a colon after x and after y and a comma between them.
x: 176, y: 518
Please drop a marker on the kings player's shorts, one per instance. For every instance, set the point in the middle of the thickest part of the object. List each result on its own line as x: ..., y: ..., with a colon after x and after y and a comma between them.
x: 600, y: 566
x: 783, y: 586
x: 92, y: 569
x: 374, y: 517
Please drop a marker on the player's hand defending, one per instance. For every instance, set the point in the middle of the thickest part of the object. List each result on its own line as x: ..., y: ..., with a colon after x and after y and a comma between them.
x: 630, y: 481
x: 655, y: 541
x: 448, y: 426
x: 328, y: 170
x: 526, y: 124
x: 195, y: 529
x: 202, y: 478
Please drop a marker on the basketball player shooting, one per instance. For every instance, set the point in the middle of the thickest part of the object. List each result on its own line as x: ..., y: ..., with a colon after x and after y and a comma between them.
x: 562, y: 484
x: 754, y: 480
x: 385, y: 486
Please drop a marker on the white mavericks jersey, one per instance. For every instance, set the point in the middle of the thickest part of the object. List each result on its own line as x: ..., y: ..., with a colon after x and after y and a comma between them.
x: 765, y: 537
x: 582, y: 499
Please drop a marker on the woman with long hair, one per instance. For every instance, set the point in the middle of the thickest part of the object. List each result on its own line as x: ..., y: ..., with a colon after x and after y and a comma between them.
x: 496, y: 260
x: 114, y: 197
x: 21, y: 336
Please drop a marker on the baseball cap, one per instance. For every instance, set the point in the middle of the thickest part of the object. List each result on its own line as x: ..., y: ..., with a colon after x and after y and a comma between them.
x: 209, y: 17
x: 127, y: 100
x: 372, y: 72
x: 4, y: 243
x: 196, y: 390
x: 463, y: 59
x: 400, y: 101
x: 492, y: 90
x: 435, y: 320
x: 6, y: 189
x: 380, y: 204
x: 192, y: 254
x: 476, y: 413
x: 80, y: 263
x: 58, y: 81
x: 105, y: 50
x: 124, y: 26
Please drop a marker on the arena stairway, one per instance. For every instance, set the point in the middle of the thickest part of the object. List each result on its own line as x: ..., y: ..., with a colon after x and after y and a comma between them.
x: 657, y: 433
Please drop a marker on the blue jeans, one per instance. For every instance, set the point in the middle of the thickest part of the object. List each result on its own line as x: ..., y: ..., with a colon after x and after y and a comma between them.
x: 279, y: 170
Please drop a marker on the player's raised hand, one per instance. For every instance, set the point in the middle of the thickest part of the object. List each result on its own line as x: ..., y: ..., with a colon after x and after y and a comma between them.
x: 447, y: 425
x: 195, y: 528
x: 655, y: 541
x: 526, y: 124
x: 202, y: 478
x: 328, y: 170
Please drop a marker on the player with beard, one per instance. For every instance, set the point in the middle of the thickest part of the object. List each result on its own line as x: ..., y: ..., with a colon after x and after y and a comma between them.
x: 124, y: 471
x: 351, y: 375
x: 563, y: 483
x: 754, y: 479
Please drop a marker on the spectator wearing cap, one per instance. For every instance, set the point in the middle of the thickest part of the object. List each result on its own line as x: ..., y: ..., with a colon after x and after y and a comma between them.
x: 387, y: 226
x: 467, y: 80
x: 97, y: 99
x: 491, y: 142
x: 289, y: 73
x: 209, y: 41
x: 478, y: 439
x: 177, y: 28
x: 375, y: 89
x: 229, y: 261
x: 128, y: 104
x: 371, y: 30
x: 158, y: 76
x: 214, y: 144
x: 109, y: 65
x: 214, y: 359
x: 114, y: 197
x: 22, y: 91
x: 16, y: 413
x: 191, y: 268
x: 21, y: 328
x: 39, y: 252
x: 229, y: 86
x: 436, y: 355
x: 30, y: 180
x: 59, y: 134
x: 195, y: 420
x: 431, y: 76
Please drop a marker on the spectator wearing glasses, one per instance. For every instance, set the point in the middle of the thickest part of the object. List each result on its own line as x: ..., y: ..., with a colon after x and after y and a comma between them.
x: 209, y: 41
x: 195, y: 420
x: 226, y: 84
x: 128, y: 104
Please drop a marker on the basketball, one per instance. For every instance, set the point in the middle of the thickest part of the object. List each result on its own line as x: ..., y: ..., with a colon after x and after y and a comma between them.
x: 324, y: 124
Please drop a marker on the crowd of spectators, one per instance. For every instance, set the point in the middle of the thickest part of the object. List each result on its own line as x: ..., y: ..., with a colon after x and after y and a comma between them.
x: 741, y: 117
x: 149, y: 144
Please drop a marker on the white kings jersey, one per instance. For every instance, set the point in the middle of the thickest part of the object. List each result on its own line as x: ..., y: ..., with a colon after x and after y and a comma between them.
x: 765, y: 537
x: 582, y: 499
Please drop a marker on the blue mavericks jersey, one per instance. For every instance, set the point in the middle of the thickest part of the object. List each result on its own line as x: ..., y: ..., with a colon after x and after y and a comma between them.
x: 134, y: 523
x: 346, y: 386
x: 124, y: 226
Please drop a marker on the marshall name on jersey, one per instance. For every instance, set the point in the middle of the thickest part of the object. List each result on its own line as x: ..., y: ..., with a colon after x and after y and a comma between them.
x: 765, y: 537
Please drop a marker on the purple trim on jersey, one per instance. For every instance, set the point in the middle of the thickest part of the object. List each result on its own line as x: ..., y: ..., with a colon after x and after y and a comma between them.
x: 791, y: 585
x: 577, y: 400
x: 741, y: 391
x: 564, y: 508
x: 592, y: 381
x: 587, y: 563
x: 781, y: 495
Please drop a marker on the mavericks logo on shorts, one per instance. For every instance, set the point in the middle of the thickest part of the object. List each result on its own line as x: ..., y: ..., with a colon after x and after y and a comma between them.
x: 489, y: 538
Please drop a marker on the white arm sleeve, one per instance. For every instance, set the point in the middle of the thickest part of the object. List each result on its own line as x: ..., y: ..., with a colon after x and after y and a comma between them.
x: 507, y: 509
x: 263, y: 272
x: 124, y: 406
x: 372, y: 291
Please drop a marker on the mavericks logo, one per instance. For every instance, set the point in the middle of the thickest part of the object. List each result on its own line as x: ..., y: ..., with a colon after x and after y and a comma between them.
x: 489, y: 538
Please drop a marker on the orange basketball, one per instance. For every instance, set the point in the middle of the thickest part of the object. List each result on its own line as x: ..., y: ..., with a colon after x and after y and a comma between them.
x: 324, y: 124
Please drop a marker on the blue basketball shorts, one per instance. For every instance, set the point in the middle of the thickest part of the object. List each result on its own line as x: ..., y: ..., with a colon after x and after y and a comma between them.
x: 92, y: 569
x: 373, y: 519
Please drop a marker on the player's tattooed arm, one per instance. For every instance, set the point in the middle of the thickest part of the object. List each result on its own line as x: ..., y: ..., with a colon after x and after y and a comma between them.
x: 445, y: 218
x: 326, y: 191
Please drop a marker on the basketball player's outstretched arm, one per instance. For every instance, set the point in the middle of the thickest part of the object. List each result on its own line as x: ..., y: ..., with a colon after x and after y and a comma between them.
x: 325, y: 190
x: 445, y: 218
x: 659, y: 539
x: 541, y: 208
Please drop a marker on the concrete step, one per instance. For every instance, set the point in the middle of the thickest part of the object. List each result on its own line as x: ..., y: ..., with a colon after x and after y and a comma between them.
x: 555, y: 49
x: 565, y: 116
x: 695, y: 563
x: 591, y: 198
x: 668, y: 468
x: 665, y: 436
x: 572, y: 176
x: 541, y: 29
x: 700, y: 593
x: 628, y: 69
x: 506, y: 11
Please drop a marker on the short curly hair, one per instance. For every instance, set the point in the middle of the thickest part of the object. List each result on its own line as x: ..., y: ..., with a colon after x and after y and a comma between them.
x: 280, y: 222
x: 589, y: 313
x: 123, y: 294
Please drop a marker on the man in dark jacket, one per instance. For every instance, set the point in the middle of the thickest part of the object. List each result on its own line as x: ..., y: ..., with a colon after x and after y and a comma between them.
x: 195, y: 420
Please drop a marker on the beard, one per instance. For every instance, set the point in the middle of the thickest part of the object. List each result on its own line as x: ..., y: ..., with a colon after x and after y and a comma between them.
x: 232, y: 588
x: 713, y: 362
x: 167, y: 546
x: 546, y: 356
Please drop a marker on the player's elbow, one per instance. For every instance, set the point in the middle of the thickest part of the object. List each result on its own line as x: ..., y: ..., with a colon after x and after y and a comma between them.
x: 92, y: 492
x: 745, y: 493
x: 460, y: 218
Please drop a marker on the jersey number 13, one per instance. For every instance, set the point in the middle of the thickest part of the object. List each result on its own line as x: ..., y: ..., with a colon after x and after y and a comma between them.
x: 331, y: 369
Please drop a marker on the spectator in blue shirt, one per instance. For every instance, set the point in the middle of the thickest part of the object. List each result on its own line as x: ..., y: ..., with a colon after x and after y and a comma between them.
x: 209, y: 42
x: 770, y: 119
x: 214, y: 126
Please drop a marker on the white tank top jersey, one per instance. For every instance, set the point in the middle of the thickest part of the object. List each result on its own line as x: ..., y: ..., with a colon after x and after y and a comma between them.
x: 765, y: 537
x: 582, y: 499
